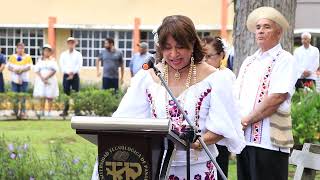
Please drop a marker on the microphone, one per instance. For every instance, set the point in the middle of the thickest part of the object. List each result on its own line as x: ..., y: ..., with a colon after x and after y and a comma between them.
x: 150, y: 61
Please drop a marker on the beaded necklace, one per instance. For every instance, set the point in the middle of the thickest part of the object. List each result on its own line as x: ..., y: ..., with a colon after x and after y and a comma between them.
x: 192, y: 75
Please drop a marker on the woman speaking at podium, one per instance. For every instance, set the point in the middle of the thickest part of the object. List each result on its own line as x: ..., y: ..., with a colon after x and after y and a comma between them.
x: 204, y: 93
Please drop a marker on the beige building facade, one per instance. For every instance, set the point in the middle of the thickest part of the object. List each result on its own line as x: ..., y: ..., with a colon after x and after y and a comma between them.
x: 37, y: 22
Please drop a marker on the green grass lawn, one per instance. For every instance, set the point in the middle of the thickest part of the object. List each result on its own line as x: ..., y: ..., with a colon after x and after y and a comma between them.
x: 41, y: 134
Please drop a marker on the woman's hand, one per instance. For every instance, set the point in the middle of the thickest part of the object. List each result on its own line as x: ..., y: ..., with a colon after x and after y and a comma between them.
x: 196, y: 146
x: 44, y: 80
x: 18, y: 71
x: 208, y: 138
x: 245, y: 122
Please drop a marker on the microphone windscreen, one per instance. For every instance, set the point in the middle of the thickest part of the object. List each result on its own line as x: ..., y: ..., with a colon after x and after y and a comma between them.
x: 145, y: 66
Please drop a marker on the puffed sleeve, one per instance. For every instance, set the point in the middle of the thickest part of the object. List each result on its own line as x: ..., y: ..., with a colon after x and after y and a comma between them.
x: 135, y: 103
x: 36, y: 68
x: 284, y: 76
x: 224, y: 116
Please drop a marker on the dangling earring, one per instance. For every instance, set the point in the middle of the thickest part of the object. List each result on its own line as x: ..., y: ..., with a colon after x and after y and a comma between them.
x: 163, y: 61
x: 194, y: 70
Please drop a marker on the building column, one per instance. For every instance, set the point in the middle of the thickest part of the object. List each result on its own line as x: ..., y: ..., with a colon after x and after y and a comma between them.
x: 136, y: 34
x: 224, y: 19
x: 52, y: 32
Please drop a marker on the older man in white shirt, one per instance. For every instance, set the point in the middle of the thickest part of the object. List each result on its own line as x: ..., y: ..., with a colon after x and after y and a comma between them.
x: 70, y: 64
x: 307, y: 57
x: 265, y: 85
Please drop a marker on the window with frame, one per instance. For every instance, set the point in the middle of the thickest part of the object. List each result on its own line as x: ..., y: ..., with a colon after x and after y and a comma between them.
x: 203, y: 34
x: 147, y: 36
x: 125, y: 41
x: 31, y: 37
x: 91, y: 43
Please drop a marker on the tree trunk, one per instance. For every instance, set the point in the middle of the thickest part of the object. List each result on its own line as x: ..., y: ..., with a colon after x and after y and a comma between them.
x: 244, y: 41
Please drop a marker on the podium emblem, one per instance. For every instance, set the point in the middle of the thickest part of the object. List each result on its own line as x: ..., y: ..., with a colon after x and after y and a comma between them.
x: 123, y: 163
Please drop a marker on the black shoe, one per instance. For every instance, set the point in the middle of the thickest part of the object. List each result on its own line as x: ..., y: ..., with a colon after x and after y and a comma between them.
x: 63, y: 114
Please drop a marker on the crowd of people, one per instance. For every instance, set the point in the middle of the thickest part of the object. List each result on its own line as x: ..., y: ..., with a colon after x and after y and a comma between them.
x: 46, y: 87
x: 248, y: 115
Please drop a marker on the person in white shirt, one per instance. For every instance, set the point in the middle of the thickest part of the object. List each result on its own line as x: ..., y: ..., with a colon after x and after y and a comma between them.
x: 264, y: 88
x: 70, y: 64
x: 307, y: 57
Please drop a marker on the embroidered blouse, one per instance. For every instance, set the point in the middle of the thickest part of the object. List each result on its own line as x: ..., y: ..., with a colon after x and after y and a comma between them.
x: 209, y: 103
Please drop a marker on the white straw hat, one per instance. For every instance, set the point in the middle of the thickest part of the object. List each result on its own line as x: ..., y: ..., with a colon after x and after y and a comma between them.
x: 71, y: 39
x: 47, y: 46
x: 266, y: 13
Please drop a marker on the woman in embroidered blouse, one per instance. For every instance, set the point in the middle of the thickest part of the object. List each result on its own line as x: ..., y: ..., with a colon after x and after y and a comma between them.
x: 204, y: 93
x: 215, y: 52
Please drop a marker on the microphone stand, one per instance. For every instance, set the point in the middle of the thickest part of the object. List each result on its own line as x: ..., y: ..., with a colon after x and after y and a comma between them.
x: 192, y: 134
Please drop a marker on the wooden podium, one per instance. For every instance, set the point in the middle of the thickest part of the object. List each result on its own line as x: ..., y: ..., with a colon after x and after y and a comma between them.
x: 130, y: 149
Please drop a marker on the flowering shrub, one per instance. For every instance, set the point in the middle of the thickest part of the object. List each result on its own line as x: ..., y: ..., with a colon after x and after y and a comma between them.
x: 305, y: 111
x: 89, y: 101
x: 96, y: 102
x: 19, y: 161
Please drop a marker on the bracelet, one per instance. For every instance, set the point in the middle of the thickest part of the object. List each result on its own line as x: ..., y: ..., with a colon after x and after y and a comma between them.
x: 199, y: 146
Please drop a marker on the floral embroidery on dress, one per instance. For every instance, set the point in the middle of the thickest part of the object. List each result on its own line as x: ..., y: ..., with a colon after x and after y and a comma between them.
x: 197, y: 177
x: 210, y: 172
x: 199, y: 103
x: 151, y: 102
x: 173, y: 177
x: 178, y: 122
x: 176, y: 117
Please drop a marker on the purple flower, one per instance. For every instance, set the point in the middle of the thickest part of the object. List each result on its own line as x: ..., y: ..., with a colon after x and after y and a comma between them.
x: 32, y: 178
x: 76, y: 161
x: 11, y: 147
x: 13, y: 155
x: 25, y: 147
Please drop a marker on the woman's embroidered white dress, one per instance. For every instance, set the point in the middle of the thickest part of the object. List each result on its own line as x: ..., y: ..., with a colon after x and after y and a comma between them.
x: 209, y: 103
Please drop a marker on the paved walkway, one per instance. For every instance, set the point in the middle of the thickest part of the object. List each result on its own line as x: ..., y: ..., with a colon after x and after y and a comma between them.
x: 7, y: 115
